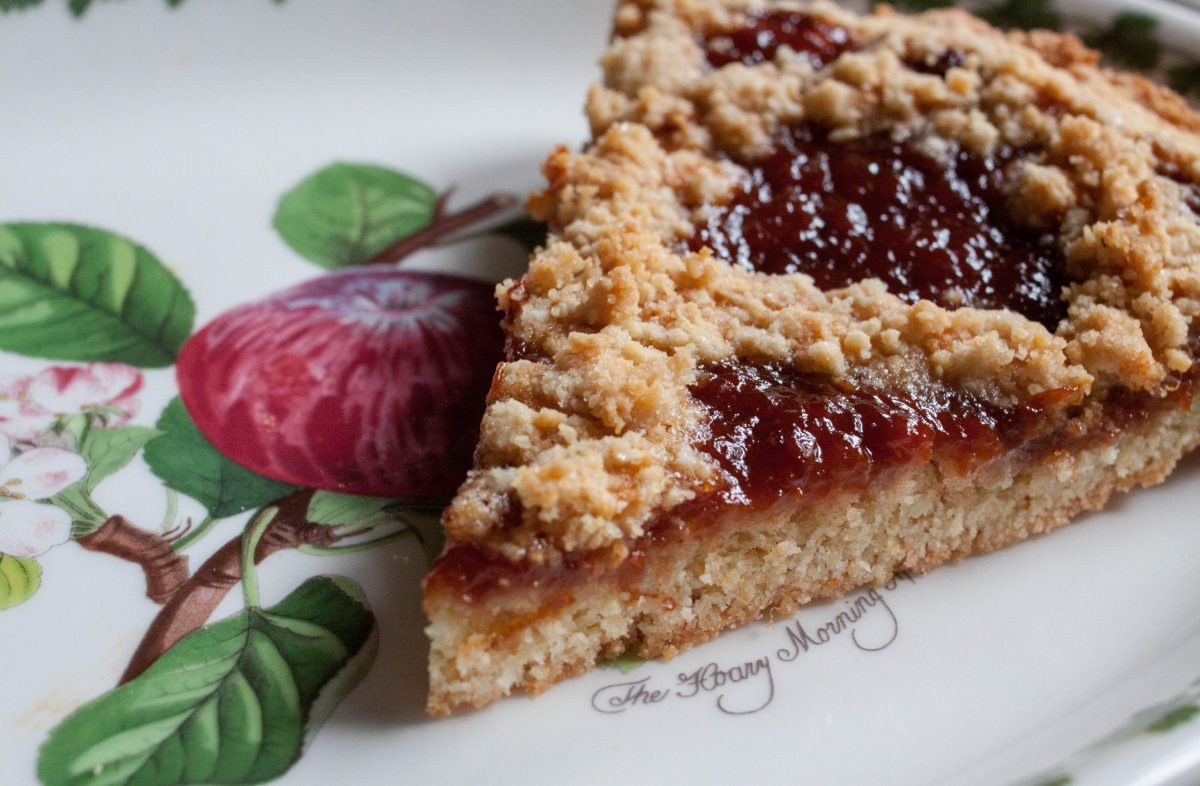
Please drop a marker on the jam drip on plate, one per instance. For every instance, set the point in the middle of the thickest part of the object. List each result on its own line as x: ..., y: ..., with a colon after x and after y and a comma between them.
x: 818, y: 42
x: 778, y: 433
x: 845, y: 211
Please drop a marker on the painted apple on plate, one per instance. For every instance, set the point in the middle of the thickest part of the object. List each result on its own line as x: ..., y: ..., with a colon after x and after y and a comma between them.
x: 361, y: 381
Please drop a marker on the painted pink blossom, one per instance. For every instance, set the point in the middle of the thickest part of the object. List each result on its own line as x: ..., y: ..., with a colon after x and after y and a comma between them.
x: 68, y: 390
x: 31, y: 405
x: 29, y: 528
x: 19, y: 419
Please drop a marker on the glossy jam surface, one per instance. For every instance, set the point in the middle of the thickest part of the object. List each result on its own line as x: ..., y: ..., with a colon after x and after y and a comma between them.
x: 516, y: 348
x: 845, y: 211
x: 777, y: 433
x: 1192, y: 199
x: 819, y: 42
x: 472, y: 574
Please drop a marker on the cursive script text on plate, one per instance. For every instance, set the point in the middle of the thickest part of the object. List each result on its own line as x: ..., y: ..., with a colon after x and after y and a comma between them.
x: 855, y: 609
x: 746, y: 688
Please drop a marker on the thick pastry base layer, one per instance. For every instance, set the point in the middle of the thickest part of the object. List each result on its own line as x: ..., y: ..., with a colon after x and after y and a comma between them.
x: 693, y: 590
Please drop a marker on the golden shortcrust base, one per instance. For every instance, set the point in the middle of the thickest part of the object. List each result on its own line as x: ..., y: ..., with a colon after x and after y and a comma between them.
x: 691, y: 591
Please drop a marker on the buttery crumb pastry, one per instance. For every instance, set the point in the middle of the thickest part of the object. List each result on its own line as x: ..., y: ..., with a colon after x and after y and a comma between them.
x: 981, y: 325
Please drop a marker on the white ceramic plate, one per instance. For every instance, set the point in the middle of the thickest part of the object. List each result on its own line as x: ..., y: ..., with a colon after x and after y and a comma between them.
x: 1073, y: 658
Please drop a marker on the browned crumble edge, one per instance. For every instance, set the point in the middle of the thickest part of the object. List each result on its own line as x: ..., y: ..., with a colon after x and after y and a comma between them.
x: 587, y: 432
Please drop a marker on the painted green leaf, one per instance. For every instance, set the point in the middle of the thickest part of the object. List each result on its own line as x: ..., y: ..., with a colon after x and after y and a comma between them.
x: 86, y: 516
x: 1023, y: 14
x: 526, y: 231
x: 188, y: 463
x: 76, y: 7
x: 346, y: 213
x: 425, y: 521
x: 1053, y: 780
x: 20, y: 578
x: 107, y: 450
x: 915, y: 6
x: 349, y: 511
x: 1184, y: 78
x: 624, y: 663
x: 70, y: 292
x: 1175, y: 717
x: 16, y: 5
x: 1129, y: 41
x: 234, y: 702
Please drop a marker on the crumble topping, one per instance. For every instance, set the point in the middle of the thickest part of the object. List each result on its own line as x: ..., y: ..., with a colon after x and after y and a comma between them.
x: 590, y: 429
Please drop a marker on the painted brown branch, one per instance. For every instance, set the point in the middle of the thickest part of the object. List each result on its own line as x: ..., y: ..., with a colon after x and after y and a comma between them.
x: 165, y: 570
x: 439, y: 207
x: 195, y: 601
x: 443, y: 224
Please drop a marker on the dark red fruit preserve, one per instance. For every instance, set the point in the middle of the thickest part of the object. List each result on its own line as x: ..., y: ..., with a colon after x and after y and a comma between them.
x: 845, y: 211
x: 817, y: 41
x: 1170, y: 169
x: 939, y: 66
x: 779, y: 433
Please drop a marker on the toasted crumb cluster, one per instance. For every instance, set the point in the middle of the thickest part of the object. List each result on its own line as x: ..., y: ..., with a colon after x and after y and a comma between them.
x: 589, y: 430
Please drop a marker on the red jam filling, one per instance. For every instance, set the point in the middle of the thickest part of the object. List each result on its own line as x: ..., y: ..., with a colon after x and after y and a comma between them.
x: 842, y: 212
x: 950, y: 58
x: 845, y: 211
x: 818, y: 42
x: 778, y: 433
x: 1191, y: 198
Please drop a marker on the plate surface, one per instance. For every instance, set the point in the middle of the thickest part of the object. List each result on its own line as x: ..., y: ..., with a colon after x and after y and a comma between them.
x: 1073, y: 658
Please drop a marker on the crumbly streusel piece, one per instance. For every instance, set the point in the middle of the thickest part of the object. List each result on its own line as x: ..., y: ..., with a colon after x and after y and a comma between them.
x: 606, y: 453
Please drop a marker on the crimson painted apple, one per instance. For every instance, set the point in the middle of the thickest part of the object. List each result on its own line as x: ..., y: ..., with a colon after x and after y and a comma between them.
x: 365, y: 381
